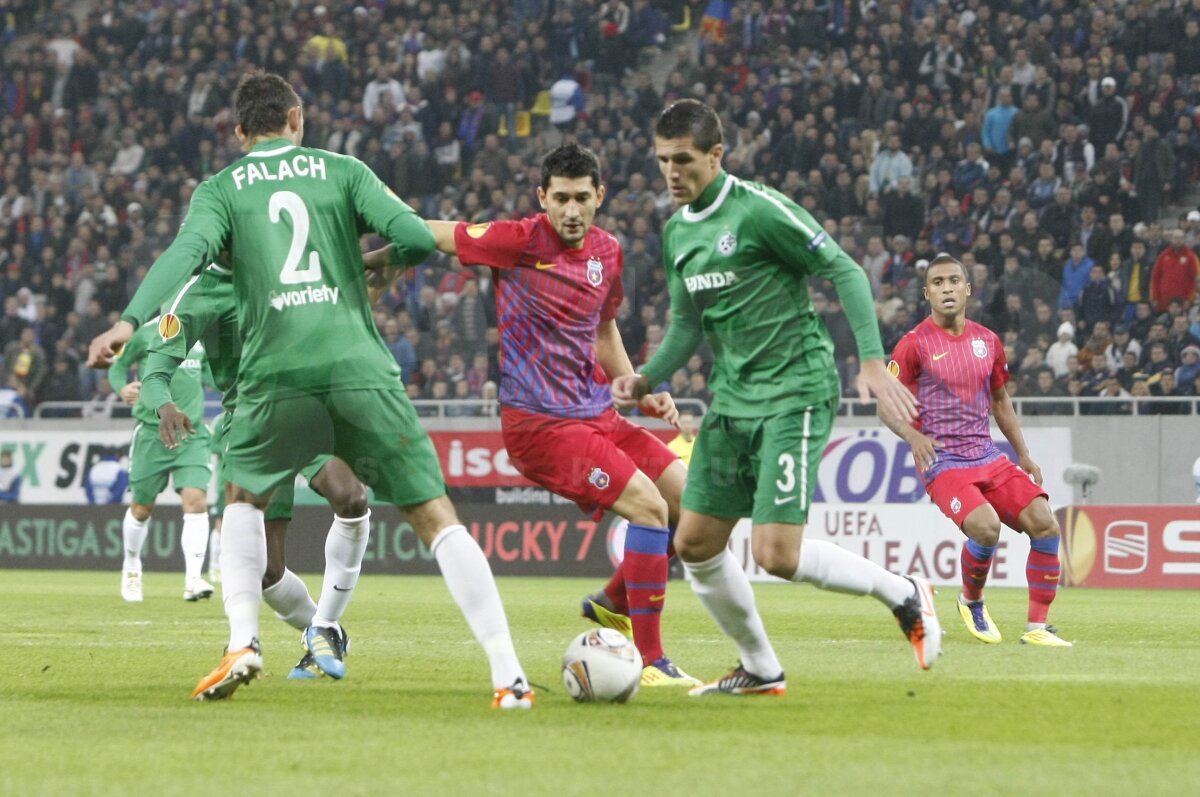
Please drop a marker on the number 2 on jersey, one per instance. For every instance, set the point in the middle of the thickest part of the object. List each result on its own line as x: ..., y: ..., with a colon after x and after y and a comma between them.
x: 292, y: 273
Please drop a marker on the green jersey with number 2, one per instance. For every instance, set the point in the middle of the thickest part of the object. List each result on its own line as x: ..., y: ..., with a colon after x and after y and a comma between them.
x: 281, y: 214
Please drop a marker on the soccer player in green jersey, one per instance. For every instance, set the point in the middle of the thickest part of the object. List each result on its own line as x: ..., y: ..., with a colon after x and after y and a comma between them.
x: 315, y: 377
x: 203, y: 313
x: 151, y: 464
x: 737, y: 257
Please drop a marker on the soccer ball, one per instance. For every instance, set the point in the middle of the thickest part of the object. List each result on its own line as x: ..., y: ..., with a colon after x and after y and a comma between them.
x: 601, y: 666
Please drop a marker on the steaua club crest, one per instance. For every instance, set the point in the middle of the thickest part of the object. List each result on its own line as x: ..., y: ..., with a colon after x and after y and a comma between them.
x: 979, y: 348
x: 955, y: 505
x: 598, y: 478
x: 595, y: 272
x: 727, y: 244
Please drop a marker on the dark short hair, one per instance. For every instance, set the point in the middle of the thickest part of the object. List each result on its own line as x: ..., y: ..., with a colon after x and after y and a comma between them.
x: 571, y: 161
x: 262, y: 101
x: 690, y: 119
x: 942, y: 259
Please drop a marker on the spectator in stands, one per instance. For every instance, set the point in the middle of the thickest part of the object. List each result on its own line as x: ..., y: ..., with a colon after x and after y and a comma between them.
x: 1062, y: 350
x: 1175, y: 271
x: 1075, y: 275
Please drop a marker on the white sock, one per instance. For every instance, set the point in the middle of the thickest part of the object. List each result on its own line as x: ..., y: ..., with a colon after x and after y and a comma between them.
x: 344, y: 548
x: 467, y: 575
x: 243, y: 563
x: 830, y: 567
x: 194, y: 540
x: 723, y: 589
x: 214, y: 550
x: 290, y: 599
x: 133, y: 534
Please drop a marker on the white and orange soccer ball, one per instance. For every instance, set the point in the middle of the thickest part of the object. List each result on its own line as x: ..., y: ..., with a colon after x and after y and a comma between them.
x: 601, y: 666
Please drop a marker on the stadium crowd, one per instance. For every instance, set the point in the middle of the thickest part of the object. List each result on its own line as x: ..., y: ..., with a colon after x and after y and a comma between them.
x: 1039, y: 142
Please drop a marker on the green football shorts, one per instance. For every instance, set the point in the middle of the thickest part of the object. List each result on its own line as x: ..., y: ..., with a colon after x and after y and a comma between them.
x: 761, y: 468
x: 376, y: 432
x: 151, y: 463
x: 282, y: 500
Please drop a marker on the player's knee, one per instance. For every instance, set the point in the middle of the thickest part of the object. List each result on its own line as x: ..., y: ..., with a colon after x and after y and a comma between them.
x: 695, y: 549
x: 985, y: 532
x: 1044, y: 528
x: 650, y: 510
x: 194, y: 501
x: 777, y: 559
x: 349, y: 500
x: 141, y: 512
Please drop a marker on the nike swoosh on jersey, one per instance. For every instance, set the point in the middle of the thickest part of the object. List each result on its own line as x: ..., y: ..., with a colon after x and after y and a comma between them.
x: 543, y: 266
x: 657, y: 598
x: 937, y: 357
x: 782, y: 501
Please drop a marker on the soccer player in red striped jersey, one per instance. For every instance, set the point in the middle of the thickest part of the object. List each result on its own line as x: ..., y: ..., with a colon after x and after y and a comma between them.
x: 558, y: 287
x: 957, y: 370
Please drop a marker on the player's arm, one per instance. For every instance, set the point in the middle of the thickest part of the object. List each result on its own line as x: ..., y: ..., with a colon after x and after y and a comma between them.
x: 498, y: 244
x: 1006, y: 419
x: 380, y: 210
x: 681, y: 341
x: 130, y: 357
x: 200, y: 240
x: 195, y: 313
x: 795, y: 238
x: 905, y: 368
x: 614, y: 360
x: 443, y: 236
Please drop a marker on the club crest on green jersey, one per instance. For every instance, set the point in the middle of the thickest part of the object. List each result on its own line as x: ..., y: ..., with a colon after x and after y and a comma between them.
x: 595, y: 271
x: 727, y: 244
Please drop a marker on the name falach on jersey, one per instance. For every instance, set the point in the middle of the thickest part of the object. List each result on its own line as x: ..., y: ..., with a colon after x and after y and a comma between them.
x: 300, y: 166
x: 322, y: 294
x: 979, y: 348
x: 705, y: 282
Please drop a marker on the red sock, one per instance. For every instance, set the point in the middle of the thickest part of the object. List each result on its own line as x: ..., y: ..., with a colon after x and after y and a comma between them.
x: 1042, y: 572
x: 645, y: 568
x: 975, y: 571
x: 615, y: 590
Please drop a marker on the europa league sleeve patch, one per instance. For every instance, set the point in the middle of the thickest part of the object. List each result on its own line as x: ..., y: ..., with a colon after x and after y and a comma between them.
x: 477, y: 230
x: 894, y: 368
x: 169, y: 326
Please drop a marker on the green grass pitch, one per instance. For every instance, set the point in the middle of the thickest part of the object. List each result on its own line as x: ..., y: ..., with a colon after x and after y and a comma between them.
x: 94, y: 700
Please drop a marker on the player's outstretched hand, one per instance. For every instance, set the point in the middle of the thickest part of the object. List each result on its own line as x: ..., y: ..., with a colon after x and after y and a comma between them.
x: 105, y: 347
x: 629, y: 389
x: 660, y: 405
x: 174, y: 426
x: 129, y: 394
x: 1029, y: 466
x: 895, y: 399
x: 924, y: 450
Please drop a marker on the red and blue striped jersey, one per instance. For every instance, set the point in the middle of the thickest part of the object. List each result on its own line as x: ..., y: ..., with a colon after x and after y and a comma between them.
x: 953, y: 378
x: 549, y: 302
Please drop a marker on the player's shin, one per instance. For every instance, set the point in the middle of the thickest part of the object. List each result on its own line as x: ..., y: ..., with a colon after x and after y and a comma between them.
x: 469, y: 579
x: 1042, y: 572
x: 193, y: 540
x: 243, y: 562
x: 725, y: 592
x: 133, y: 534
x: 645, y: 566
x: 289, y: 599
x: 830, y: 567
x: 344, y: 548
x: 976, y: 562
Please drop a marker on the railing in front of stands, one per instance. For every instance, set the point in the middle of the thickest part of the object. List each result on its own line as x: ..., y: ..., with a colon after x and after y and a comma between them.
x: 481, y: 408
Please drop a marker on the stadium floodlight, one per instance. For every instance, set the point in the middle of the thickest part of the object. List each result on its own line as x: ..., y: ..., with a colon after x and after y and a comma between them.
x: 1085, y: 476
